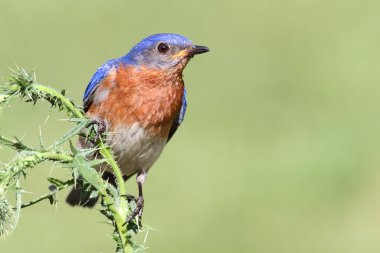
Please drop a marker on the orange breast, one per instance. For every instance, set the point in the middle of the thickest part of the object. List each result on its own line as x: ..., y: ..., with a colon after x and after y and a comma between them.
x: 150, y: 97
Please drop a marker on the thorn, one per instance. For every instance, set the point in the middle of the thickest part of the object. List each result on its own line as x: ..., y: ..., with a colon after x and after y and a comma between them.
x: 46, y: 119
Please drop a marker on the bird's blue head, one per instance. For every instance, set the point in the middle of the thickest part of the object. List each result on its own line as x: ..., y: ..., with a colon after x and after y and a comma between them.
x: 164, y: 51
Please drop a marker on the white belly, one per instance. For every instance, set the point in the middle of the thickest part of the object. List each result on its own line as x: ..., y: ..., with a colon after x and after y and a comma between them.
x: 134, y: 149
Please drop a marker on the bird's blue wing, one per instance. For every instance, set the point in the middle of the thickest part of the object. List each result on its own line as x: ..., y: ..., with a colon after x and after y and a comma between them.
x: 95, y: 81
x: 177, y: 122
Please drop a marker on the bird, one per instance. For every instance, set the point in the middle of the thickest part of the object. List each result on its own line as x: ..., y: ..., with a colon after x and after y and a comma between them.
x: 139, y: 100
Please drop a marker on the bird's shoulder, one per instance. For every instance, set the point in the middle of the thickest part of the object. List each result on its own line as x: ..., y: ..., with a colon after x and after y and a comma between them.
x: 99, y: 76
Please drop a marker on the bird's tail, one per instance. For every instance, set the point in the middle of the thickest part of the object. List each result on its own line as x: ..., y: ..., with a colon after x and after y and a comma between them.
x: 79, y: 197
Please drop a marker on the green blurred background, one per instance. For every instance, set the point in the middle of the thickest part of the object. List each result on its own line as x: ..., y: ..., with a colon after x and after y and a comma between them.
x: 279, y: 151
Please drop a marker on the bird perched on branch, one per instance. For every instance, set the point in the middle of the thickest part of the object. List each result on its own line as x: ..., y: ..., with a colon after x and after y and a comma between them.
x: 140, y: 99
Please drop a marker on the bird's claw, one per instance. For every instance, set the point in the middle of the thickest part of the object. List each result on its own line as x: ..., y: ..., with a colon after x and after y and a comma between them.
x: 101, y: 128
x: 138, y: 211
x: 98, y: 131
x: 130, y: 197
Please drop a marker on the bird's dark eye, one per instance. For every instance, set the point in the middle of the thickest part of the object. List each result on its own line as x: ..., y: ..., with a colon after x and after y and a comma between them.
x: 162, y: 47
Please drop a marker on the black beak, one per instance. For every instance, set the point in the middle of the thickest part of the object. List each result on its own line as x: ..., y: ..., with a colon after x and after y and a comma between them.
x: 198, y: 50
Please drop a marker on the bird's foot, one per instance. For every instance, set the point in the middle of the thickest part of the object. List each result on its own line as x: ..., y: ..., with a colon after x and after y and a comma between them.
x: 130, y: 197
x: 96, y: 130
x: 138, y: 211
x: 100, y: 128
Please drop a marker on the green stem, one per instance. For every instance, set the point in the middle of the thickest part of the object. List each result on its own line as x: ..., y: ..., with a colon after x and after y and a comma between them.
x: 68, y: 104
x: 14, y: 144
x: 55, y: 157
x: 118, y: 211
x: 33, y: 159
x: 121, y: 211
x: 105, y: 152
x: 119, y: 219
x: 47, y: 195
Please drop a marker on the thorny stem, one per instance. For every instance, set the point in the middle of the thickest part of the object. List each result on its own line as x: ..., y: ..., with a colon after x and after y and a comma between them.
x: 68, y: 104
x: 118, y: 209
x: 14, y: 144
x: 104, y: 150
x: 47, y: 195
x: 38, y: 157
x: 120, y: 213
x: 79, y: 114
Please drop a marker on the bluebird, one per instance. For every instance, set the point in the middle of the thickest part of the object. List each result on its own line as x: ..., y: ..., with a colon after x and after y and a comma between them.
x: 140, y: 101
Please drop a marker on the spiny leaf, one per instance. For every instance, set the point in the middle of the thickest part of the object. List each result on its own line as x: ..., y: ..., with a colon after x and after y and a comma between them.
x: 113, y: 191
x: 72, y: 132
x: 15, y: 144
x: 90, y: 175
x: 94, y: 194
x: 73, y: 148
x: 59, y: 183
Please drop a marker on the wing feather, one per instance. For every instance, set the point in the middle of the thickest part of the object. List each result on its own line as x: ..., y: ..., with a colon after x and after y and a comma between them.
x: 177, y: 122
x: 95, y: 81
